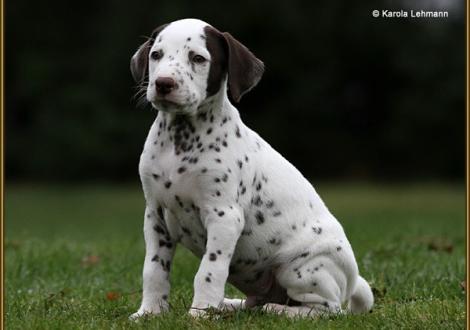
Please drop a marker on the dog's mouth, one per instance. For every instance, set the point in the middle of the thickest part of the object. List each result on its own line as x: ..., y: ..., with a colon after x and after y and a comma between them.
x: 165, y: 104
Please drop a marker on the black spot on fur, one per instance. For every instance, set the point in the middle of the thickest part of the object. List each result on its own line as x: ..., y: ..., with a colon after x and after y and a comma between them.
x: 259, y: 217
x: 208, y: 279
x: 237, y: 132
x: 159, y: 229
x: 163, y: 243
x: 317, y: 230
x: 156, y: 176
x: 178, y: 200
x: 160, y: 212
x: 186, y: 231
x: 181, y: 169
x: 167, y: 184
x: 257, y: 201
x: 221, y: 213
x: 212, y: 257
x: 275, y: 241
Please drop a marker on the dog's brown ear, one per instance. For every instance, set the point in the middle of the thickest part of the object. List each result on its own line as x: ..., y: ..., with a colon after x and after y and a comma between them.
x: 244, y: 69
x: 139, y: 61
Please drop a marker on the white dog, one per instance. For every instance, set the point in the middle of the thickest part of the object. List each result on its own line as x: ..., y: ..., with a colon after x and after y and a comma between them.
x: 215, y: 186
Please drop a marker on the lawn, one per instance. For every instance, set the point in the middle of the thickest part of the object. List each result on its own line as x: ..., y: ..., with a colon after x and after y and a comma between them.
x: 73, y: 258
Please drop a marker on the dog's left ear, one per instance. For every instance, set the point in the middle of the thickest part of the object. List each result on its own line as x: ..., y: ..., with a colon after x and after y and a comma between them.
x: 139, y: 61
x: 230, y: 56
x: 244, y: 69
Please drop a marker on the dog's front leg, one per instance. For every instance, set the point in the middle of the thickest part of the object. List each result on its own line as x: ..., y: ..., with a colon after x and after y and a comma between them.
x: 158, y: 257
x: 224, y: 226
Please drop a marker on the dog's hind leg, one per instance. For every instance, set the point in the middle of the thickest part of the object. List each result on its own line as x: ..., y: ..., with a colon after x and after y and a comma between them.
x: 233, y: 304
x: 297, y: 311
x: 319, y: 284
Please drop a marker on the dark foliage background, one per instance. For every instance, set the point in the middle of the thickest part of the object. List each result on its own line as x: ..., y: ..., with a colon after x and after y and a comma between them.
x: 345, y: 95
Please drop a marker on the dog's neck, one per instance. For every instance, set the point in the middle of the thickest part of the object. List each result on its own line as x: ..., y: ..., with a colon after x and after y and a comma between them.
x: 184, y: 132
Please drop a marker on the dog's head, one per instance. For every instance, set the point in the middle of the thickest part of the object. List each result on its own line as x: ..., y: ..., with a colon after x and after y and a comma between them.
x: 186, y: 62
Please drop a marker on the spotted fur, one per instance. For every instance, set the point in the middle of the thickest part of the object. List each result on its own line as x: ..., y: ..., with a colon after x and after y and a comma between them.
x: 216, y: 187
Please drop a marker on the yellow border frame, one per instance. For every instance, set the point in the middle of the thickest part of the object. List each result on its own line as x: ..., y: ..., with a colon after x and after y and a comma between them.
x: 2, y: 149
x: 467, y: 151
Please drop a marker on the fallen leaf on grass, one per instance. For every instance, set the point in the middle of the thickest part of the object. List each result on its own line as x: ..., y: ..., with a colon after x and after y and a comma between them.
x: 436, y: 243
x: 440, y: 245
x: 12, y: 244
x: 112, y: 295
x: 90, y: 260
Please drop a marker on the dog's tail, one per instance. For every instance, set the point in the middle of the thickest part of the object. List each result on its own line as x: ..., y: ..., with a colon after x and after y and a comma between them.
x: 362, y: 298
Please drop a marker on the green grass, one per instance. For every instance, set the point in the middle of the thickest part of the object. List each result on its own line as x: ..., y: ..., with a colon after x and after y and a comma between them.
x: 409, y: 242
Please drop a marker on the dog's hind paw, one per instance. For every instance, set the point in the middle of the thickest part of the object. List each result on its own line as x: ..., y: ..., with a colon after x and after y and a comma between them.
x: 143, y: 313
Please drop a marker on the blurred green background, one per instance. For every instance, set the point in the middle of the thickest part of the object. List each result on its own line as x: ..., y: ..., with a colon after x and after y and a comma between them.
x: 345, y: 95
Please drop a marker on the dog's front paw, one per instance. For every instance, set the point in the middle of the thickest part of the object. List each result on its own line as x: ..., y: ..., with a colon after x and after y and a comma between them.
x: 198, y: 312
x: 144, y: 312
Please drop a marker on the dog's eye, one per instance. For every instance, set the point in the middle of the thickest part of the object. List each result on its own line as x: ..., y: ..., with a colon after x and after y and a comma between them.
x: 156, y: 55
x: 198, y: 59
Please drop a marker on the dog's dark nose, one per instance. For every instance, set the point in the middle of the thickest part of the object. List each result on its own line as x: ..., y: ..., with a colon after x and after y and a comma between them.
x: 165, y: 85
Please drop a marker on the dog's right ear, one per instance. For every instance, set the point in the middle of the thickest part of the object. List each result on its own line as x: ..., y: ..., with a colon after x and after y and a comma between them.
x: 139, y: 61
x: 244, y: 68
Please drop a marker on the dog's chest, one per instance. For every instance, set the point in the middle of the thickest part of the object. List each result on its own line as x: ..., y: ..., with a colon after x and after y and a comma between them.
x: 180, y: 166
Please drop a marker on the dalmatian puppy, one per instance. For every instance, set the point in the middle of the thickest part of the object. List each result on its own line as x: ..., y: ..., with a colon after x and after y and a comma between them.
x: 215, y: 186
